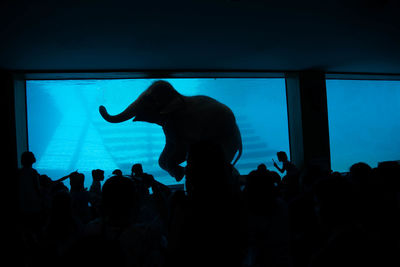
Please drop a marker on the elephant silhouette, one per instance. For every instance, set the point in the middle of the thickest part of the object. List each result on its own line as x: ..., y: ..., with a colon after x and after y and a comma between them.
x: 185, y: 120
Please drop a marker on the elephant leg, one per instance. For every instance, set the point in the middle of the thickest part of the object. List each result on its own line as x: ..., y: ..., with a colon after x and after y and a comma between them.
x: 171, y: 157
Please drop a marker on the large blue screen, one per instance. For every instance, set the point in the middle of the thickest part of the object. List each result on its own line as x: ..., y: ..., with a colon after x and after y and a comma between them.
x: 364, y: 122
x: 67, y: 133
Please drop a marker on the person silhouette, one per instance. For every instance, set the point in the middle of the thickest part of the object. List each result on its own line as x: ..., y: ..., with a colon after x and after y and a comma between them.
x: 29, y: 192
x: 290, y: 181
x: 80, y: 197
x: 287, y: 166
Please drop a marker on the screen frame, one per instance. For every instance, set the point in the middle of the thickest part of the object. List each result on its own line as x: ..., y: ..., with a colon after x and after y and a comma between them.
x: 21, y: 77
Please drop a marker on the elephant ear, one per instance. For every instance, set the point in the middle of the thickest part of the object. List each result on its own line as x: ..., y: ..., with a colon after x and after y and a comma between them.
x: 176, y: 103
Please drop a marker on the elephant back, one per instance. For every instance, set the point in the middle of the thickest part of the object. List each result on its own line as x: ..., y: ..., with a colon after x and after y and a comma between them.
x: 211, y: 116
x: 205, y: 118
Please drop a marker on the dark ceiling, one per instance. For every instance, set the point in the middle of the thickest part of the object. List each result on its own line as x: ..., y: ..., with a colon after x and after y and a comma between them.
x: 284, y: 35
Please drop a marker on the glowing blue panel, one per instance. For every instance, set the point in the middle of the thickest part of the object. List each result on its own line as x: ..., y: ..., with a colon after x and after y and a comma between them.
x: 364, y: 122
x: 67, y: 133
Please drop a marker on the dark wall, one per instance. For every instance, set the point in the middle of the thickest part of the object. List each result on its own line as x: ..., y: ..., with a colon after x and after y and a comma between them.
x: 285, y: 35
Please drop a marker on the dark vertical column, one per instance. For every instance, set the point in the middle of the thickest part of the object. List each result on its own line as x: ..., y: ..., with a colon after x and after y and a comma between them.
x: 308, y: 119
x: 20, y: 115
x: 13, y: 134
x: 9, y: 134
x: 9, y: 170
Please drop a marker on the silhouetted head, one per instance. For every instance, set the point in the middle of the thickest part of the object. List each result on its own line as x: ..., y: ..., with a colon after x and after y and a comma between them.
x: 119, y: 201
x: 282, y: 157
x: 262, y: 167
x: 27, y: 159
x: 117, y: 172
x: 137, y: 169
x: 98, y: 175
x: 360, y: 172
x: 76, y: 181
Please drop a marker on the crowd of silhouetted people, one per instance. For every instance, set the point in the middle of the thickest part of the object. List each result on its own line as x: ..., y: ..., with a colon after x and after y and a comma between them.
x: 309, y: 218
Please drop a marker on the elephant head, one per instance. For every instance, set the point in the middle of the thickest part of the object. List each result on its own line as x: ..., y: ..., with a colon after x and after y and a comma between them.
x: 153, y: 105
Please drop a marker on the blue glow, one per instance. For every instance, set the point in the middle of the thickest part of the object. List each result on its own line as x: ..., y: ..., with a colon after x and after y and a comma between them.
x: 364, y: 122
x: 67, y: 133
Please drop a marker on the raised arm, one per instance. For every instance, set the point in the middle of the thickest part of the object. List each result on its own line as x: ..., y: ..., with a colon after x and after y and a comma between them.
x: 279, y: 169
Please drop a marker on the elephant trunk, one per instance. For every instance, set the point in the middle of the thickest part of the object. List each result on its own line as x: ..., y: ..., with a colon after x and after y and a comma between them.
x: 125, y: 115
